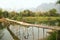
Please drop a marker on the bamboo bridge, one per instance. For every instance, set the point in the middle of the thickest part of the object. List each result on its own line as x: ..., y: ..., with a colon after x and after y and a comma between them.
x: 9, y: 21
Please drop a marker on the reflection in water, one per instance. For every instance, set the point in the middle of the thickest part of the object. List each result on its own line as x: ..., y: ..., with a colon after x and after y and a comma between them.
x: 23, y: 33
x: 27, y: 33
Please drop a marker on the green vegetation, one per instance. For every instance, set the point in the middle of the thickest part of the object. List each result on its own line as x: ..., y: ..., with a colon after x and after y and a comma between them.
x: 43, y: 20
x: 50, y: 17
x: 52, y: 36
x: 58, y: 2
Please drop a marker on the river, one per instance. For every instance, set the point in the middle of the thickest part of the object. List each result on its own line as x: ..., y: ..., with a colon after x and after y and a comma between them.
x: 23, y: 33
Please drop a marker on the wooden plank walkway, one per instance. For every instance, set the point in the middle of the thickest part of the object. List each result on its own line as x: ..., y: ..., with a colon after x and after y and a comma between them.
x: 28, y: 25
x: 34, y: 25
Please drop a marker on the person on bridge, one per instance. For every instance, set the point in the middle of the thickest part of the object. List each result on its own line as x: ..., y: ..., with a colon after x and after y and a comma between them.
x: 26, y: 36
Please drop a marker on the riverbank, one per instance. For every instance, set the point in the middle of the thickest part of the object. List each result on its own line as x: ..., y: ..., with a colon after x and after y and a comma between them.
x: 38, y: 20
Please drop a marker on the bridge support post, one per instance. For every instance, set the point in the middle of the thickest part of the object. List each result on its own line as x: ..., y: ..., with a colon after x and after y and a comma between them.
x: 58, y: 35
x: 12, y: 34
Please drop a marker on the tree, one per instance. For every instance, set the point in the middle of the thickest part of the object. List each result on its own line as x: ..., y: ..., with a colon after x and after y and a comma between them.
x: 12, y: 14
x: 58, y: 2
x: 5, y: 14
x: 58, y: 32
x: 1, y: 13
x: 52, y: 12
x: 25, y: 13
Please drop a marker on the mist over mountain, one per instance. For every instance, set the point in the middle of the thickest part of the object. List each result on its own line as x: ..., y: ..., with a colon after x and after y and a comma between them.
x: 46, y: 7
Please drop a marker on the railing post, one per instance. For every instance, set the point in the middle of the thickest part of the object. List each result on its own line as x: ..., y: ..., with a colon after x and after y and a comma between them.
x: 33, y: 32
x: 46, y: 35
x: 43, y: 33
x: 38, y: 33
x: 19, y: 33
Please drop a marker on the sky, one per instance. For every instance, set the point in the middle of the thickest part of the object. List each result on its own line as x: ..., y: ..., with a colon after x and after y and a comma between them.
x: 22, y: 4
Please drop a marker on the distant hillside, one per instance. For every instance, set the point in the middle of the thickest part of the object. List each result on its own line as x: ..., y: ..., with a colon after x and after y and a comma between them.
x: 47, y: 7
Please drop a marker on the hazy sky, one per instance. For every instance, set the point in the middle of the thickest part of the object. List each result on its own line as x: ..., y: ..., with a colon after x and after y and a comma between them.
x: 25, y: 4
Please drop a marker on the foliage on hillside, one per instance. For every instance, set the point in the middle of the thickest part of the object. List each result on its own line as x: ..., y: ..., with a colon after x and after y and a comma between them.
x: 44, y: 20
x: 50, y: 17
